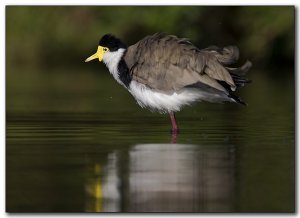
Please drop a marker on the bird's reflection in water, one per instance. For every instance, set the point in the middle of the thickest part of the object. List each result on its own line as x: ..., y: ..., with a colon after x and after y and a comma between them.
x: 102, y: 187
x: 165, y: 178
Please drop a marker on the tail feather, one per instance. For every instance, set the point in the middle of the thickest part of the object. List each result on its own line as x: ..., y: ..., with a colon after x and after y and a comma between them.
x: 239, y: 81
x: 240, y: 70
x: 237, y: 99
x: 227, y: 56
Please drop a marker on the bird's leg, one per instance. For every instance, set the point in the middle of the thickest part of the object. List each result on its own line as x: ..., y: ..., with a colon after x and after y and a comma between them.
x: 175, y: 128
x: 174, y: 138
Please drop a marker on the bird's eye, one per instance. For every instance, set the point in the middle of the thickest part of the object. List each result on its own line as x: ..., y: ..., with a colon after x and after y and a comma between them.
x: 105, y: 49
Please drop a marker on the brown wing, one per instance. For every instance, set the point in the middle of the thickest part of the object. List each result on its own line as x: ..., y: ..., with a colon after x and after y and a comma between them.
x: 166, y: 63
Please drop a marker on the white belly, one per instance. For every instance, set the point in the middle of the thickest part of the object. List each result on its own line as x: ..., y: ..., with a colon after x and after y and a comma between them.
x: 165, y: 102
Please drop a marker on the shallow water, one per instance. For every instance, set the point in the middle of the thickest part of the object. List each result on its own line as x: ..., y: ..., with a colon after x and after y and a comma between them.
x: 77, y: 141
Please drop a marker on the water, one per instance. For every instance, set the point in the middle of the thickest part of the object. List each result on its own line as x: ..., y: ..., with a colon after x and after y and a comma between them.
x: 78, y: 142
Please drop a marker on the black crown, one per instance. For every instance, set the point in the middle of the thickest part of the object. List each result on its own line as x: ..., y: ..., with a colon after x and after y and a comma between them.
x: 111, y: 42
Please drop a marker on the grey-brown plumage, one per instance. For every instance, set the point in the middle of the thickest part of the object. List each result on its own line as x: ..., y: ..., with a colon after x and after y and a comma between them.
x: 165, y: 73
x: 167, y: 63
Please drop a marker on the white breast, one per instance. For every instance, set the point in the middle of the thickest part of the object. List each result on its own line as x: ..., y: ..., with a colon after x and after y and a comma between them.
x: 164, y: 102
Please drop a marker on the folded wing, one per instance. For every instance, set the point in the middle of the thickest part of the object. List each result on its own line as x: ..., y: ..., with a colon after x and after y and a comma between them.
x: 167, y: 63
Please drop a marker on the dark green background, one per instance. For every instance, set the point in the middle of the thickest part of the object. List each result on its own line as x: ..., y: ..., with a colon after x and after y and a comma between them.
x: 65, y: 117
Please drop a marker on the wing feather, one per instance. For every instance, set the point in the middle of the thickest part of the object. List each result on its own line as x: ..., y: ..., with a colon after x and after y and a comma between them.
x: 167, y: 63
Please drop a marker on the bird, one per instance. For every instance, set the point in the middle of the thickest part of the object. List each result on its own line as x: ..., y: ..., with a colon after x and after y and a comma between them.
x: 164, y: 73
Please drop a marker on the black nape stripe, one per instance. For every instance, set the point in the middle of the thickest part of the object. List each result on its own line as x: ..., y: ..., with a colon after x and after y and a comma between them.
x: 124, y: 73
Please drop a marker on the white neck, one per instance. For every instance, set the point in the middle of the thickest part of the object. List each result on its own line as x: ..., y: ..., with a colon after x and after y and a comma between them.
x: 111, y: 60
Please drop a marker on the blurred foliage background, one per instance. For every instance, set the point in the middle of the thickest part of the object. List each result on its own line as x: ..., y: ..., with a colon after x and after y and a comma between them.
x: 46, y: 47
x: 58, y: 107
x: 55, y: 36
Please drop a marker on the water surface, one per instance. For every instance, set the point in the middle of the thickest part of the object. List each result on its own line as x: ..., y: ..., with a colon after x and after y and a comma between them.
x: 78, y: 142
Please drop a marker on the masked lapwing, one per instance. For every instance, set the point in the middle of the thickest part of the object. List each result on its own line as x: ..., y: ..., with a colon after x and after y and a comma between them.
x: 165, y: 73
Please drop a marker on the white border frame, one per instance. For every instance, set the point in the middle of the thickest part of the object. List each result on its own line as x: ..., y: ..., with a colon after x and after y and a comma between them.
x: 132, y: 2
